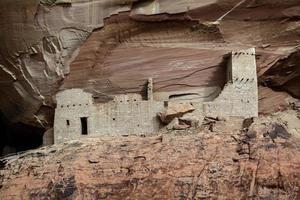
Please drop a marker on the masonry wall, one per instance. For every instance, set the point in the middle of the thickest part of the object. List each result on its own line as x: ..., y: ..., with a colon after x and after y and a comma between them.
x: 71, y: 106
x: 239, y: 97
x: 126, y: 114
x: 130, y: 114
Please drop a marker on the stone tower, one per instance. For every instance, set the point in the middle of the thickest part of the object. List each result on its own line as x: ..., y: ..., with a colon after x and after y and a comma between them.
x: 239, y: 97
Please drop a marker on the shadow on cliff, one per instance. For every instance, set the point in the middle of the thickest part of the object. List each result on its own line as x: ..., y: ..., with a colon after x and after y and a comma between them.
x: 284, y: 75
x: 16, y: 137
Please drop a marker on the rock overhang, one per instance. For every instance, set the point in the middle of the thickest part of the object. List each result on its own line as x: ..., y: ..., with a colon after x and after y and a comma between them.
x: 41, y: 78
x: 135, y: 114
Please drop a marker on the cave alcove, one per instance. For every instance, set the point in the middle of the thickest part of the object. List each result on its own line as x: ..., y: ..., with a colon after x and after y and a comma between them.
x: 18, y: 137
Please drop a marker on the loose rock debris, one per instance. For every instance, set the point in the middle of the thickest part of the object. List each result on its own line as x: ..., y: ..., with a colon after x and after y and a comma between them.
x: 259, y: 163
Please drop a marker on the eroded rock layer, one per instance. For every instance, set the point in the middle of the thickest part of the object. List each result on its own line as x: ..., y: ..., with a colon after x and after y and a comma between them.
x: 226, y: 160
x: 113, y: 46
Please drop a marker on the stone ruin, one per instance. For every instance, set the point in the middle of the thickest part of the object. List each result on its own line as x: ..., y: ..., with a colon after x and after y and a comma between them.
x: 239, y: 98
x: 77, y: 115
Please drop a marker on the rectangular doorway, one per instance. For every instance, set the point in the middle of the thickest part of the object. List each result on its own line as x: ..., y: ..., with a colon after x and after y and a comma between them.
x: 84, y: 126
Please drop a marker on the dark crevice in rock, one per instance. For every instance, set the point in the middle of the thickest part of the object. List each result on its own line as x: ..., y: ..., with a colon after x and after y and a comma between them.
x: 17, y: 137
x: 284, y: 75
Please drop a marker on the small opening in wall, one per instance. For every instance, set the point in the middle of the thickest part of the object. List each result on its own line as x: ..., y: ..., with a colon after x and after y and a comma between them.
x: 84, y: 127
x: 68, y: 122
x: 114, y: 119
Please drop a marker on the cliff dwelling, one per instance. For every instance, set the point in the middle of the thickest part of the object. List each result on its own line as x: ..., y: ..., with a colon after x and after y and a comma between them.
x: 78, y: 114
x: 150, y: 99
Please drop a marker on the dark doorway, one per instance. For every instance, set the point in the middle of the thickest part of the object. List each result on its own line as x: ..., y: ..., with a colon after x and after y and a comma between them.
x: 84, y: 127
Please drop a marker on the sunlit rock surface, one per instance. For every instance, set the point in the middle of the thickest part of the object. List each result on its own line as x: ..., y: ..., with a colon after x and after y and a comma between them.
x: 225, y: 162
x: 113, y: 46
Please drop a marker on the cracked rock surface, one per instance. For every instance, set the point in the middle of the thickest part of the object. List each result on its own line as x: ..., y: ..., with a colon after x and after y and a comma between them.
x: 52, y: 45
x: 233, y: 161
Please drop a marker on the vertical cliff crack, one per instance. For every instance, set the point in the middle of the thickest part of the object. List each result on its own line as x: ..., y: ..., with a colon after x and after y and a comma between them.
x: 254, y: 174
x: 192, y: 191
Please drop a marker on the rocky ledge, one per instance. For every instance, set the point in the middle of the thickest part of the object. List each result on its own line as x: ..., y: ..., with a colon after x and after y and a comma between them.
x: 224, y: 159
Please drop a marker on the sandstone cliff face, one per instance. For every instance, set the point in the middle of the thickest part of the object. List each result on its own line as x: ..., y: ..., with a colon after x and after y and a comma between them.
x: 112, y: 46
x: 223, y: 160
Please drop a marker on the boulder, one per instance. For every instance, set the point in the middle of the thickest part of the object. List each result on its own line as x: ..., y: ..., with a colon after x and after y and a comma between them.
x: 176, y: 124
x: 175, y: 110
x: 192, y: 119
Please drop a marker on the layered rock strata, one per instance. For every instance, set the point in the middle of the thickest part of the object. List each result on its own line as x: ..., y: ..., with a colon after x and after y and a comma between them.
x: 110, y: 47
